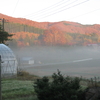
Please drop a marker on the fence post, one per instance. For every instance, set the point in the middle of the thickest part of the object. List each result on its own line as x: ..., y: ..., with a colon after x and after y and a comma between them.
x: 0, y: 80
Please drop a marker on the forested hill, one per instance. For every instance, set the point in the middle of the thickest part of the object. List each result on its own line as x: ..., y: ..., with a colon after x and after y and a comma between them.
x: 28, y: 32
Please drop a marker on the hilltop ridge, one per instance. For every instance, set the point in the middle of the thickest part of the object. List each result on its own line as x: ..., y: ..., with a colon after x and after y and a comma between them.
x: 66, y: 32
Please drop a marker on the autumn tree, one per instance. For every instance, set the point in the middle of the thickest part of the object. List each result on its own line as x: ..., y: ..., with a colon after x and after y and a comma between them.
x: 54, y: 36
x: 4, y: 36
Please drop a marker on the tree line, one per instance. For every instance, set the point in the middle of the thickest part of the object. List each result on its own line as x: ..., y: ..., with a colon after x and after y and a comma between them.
x: 16, y: 27
x: 25, y: 35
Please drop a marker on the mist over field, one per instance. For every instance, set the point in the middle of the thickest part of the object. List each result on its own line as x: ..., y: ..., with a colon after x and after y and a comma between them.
x: 74, y: 61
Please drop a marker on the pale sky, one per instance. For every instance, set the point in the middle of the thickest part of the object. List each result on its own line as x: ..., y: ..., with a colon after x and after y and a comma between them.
x: 81, y: 11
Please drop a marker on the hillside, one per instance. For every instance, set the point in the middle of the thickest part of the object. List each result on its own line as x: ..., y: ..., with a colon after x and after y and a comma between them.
x: 28, y: 32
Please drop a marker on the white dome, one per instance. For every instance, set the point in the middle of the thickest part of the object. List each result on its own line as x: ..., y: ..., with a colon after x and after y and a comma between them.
x: 9, y: 62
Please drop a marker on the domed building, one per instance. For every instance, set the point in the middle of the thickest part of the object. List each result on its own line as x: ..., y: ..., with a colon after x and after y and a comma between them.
x: 8, y: 61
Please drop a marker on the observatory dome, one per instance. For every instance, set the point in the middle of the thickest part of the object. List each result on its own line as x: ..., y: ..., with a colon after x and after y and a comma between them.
x: 8, y: 61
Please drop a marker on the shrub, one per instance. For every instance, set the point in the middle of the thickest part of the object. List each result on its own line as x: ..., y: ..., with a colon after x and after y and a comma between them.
x: 60, y: 88
x: 24, y: 75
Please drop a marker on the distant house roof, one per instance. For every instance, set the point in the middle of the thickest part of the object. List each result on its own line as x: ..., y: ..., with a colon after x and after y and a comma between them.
x: 27, y: 58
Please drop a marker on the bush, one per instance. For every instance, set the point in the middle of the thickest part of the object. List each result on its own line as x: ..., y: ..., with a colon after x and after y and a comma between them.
x: 60, y: 88
x: 24, y: 75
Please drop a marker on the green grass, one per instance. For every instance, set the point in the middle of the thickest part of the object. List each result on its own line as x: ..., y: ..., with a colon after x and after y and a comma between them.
x: 24, y: 98
x: 17, y: 90
x: 14, y: 89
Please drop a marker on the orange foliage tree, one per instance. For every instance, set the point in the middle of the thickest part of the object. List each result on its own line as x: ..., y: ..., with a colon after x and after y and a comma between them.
x: 25, y: 38
x: 54, y: 36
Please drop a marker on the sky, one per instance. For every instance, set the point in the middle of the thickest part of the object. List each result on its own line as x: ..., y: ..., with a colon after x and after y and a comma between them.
x: 81, y: 11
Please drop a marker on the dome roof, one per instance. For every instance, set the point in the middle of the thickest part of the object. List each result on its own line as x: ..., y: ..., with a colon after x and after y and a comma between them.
x: 6, y: 53
x: 9, y: 62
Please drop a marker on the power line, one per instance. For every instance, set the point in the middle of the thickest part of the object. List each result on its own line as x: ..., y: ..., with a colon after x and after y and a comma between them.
x: 53, y: 6
x: 48, y: 8
x: 55, y: 9
x: 85, y: 13
x: 73, y: 17
x: 70, y: 7
x: 15, y: 7
x: 43, y: 9
x: 63, y: 9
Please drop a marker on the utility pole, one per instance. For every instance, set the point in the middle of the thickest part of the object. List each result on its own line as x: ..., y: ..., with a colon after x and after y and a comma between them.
x: 0, y: 80
x: 0, y: 74
x: 2, y: 23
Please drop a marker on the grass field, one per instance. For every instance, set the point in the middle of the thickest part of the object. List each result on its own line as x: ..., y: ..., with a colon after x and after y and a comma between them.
x: 21, y: 88
x: 18, y: 90
x: 14, y: 89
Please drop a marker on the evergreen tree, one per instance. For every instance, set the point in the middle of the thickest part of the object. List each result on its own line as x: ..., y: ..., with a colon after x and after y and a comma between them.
x: 4, y: 36
x: 60, y: 88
